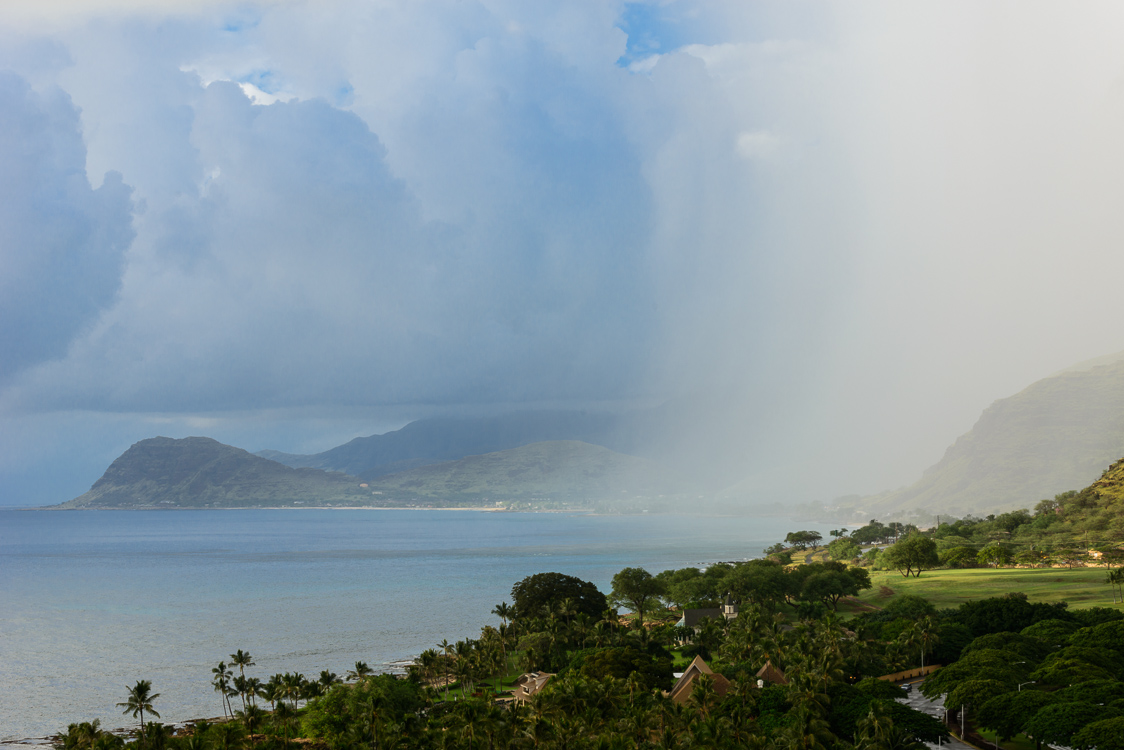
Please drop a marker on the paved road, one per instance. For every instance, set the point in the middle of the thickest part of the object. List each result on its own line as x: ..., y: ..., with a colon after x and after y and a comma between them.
x: 935, y: 709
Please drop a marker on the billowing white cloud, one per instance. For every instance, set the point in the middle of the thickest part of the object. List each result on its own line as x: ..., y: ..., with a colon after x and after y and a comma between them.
x: 857, y: 224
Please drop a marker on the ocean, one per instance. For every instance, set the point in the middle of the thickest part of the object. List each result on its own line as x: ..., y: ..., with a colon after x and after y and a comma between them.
x: 92, y: 601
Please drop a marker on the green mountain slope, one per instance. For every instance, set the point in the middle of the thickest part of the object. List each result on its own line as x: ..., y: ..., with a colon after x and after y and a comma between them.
x: 566, y: 470
x: 1058, y: 434
x: 198, y: 472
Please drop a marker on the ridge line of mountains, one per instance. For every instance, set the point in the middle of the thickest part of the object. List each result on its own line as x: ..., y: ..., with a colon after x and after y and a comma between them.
x: 1058, y: 434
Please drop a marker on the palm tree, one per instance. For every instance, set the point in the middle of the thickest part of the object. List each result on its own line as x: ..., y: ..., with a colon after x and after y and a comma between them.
x: 1115, y: 579
x: 273, y: 690
x: 240, y: 688
x: 502, y: 611
x: 139, y: 700
x: 361, y: 670
x: 222, y: 686
x: 251, y: 718
x: 446, y: 647
x: 158, y: 735
x: 225, y: 734
x: 253, y: 689
x: 328, y: 678
x: 285, y: 716
x: 82, y: 736
x: 243, y: 660
x: 291, y: 684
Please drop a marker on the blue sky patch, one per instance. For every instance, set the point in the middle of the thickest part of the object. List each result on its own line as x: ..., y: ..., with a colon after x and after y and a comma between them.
x: 241, y: 20
x: 654, y: 29
x: 266, y: 81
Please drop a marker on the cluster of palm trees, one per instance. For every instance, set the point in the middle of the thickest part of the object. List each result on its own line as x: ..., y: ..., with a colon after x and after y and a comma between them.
x: 281, y: 688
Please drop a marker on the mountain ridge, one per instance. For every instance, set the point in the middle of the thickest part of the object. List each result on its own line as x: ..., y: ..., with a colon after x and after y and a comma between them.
x: 199, y: 472
x: 438, y: 439
x: 1057, y: 434
x: 202, y: 472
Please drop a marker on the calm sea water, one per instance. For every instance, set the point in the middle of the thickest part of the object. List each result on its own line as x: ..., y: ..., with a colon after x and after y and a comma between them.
x: 91, y: 601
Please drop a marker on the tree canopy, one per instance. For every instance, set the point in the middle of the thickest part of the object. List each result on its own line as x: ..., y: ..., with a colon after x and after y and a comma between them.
x: 546, y: 591
x: 636, y: 589
x: 913, y: 554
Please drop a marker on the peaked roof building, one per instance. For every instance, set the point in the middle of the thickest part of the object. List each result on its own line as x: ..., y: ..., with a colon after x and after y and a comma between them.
x: 685, y: 685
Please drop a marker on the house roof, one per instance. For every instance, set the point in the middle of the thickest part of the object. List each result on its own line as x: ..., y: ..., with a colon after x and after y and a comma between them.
x: 683, y: 687
x: 691, y: 617
x: 769, y: 673
x: 529, y: 684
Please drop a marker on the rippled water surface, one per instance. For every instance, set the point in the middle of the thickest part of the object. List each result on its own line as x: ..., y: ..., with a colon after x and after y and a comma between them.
x: 91, y: 601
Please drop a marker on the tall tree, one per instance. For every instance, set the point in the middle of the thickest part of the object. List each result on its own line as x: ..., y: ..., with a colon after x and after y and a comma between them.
x: 913, y: 554
x: 544, y: 591
x: 446, y: 649
x: 636, y: 589
x: 502, y: 611
x: 221, y: 683
x: 139, y: 700
x: 242, y: 660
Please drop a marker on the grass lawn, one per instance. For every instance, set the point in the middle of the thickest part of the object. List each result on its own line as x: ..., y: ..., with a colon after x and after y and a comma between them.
x: 1020, y: 742
x: 678, y: 660
x: 1081, y: 587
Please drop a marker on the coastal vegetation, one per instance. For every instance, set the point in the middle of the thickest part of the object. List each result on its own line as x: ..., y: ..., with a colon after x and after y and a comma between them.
x: 788, y: 672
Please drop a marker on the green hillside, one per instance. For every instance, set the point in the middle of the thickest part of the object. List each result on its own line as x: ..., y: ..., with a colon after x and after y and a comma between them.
x: 562, y: 470
x: 199, y: 472
x: 1058, y: 434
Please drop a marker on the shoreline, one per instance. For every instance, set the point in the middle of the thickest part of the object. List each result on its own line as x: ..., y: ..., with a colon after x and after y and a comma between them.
x: 478, y: 509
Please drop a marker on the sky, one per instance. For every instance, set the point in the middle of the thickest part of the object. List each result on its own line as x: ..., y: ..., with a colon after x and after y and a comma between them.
x: 837, y: 230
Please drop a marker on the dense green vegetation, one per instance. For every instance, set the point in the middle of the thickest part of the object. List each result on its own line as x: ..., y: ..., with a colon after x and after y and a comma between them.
x: 611, y: 674
x: 1013, y: 665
